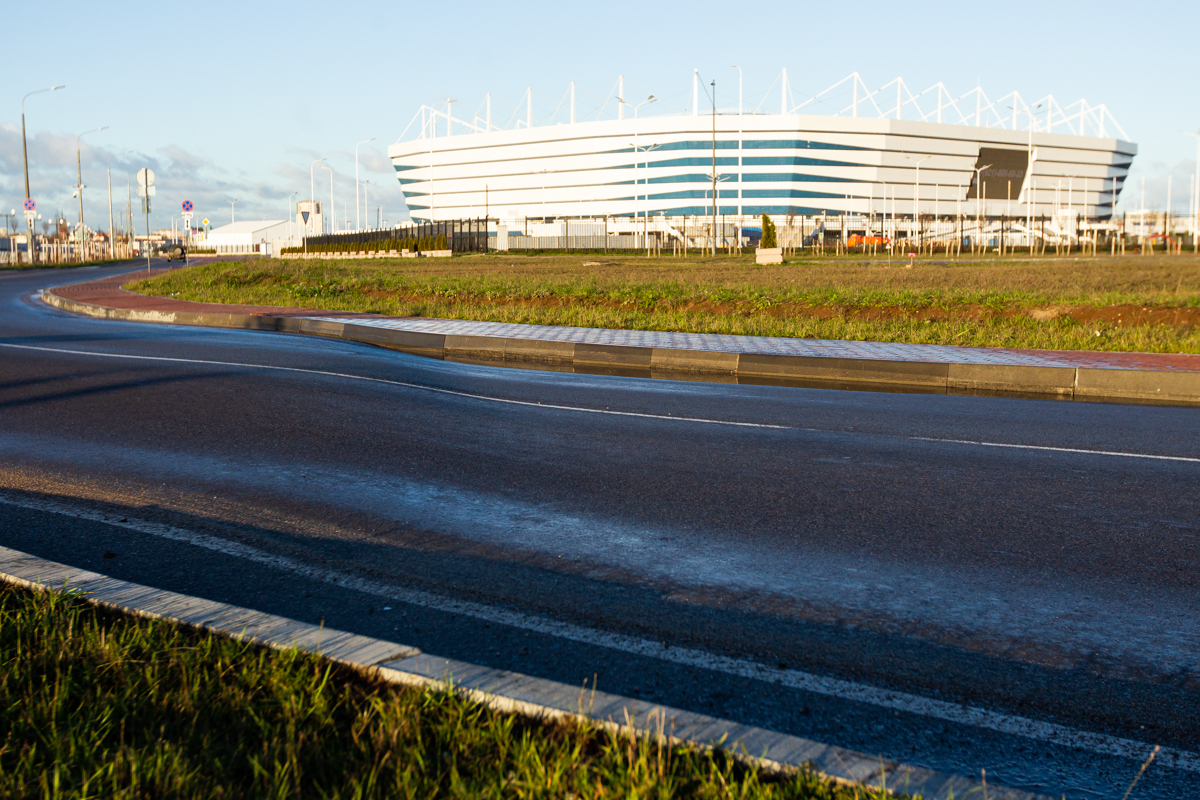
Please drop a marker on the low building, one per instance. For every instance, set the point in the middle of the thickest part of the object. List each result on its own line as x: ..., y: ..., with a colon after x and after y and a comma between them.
x: 263, y: 237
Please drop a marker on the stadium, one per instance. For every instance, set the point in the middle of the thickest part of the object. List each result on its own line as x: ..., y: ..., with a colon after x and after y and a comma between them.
x: 874, y: 158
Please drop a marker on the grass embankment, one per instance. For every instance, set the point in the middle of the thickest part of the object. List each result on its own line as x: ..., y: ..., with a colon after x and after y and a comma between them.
x: 101, y: 704
x: 1139, y: 303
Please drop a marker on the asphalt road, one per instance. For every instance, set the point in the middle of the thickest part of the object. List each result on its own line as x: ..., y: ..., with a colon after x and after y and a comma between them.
x: 956, y: 582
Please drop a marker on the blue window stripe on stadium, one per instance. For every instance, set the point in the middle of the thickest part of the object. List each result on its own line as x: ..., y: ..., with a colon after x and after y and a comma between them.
x: 802, y: 211
x: 788, y: 177
x: 693, y: 178
x: 697, y: 211
x: 788, y: 193
x: 696, y: 145
x: 794, y: 144
x: 794, y: 161
x: 694, y: 162
x: 694, y: 194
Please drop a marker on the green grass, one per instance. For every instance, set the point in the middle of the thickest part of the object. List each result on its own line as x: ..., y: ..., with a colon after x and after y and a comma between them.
x: 985, y: 302
x: 102, y: 704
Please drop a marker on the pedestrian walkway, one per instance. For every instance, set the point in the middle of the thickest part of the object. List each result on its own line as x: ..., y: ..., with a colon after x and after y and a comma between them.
x: 108, y: 292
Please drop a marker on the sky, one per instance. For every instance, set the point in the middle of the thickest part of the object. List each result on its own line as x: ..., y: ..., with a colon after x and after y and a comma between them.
x: 233, y: 101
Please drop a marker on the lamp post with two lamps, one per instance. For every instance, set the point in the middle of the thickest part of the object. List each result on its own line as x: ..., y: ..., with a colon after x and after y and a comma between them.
x: 312, y: 201
x: 79, y: 185
x: 636, y: 167
x: 112, y: 243
x: 357, y: 222
x: 917, y: 194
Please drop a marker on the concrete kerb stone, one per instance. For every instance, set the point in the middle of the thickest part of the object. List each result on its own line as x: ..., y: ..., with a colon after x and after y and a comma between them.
x: 1083, y: 383
x: 1132, y: 384
x: 1058, y: 381
x: 501, y: 690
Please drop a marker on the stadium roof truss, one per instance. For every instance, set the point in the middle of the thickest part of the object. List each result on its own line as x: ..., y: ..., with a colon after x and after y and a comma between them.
x: 851, y: 96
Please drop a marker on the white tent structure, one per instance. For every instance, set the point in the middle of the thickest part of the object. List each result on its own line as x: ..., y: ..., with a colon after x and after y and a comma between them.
x: 263, y: 237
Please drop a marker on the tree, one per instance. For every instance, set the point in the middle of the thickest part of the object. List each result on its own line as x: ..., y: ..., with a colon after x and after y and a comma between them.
x: 768, y: 233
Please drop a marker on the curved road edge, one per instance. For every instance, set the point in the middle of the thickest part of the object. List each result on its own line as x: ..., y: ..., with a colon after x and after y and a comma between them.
x: 501, y: 690
x: 1174, y: 387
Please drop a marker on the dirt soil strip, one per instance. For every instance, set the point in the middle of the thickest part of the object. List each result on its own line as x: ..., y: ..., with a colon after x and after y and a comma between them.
x: 498, y: 689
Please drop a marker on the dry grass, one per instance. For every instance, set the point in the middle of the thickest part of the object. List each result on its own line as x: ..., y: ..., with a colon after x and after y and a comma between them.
x: 1147, y: 303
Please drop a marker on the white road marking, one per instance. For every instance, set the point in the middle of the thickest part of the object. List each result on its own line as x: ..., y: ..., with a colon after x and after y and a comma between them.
x: 1062, y: 735
x: 580, y: 409
x: 1117, y: 453
x: 405, y: 385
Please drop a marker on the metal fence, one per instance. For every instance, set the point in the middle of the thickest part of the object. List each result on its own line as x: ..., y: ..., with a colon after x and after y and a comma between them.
x: 462, y: 236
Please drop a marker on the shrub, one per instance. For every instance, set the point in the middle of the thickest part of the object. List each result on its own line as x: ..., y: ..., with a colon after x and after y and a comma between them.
x: 768, y: 232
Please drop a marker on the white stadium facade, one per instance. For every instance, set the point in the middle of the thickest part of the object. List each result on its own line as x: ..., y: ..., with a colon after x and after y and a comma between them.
x: 888, y: 153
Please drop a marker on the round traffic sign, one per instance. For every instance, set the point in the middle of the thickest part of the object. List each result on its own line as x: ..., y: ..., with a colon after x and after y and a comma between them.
x: 187, y: 205
x: 29, y: 204
x: 145, y: 176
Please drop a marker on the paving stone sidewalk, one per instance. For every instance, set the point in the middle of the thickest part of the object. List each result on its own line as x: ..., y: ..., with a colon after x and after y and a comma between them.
x: 108, y: 292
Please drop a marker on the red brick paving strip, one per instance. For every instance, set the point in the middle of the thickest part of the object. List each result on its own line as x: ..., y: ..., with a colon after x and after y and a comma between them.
x: 108, y: 292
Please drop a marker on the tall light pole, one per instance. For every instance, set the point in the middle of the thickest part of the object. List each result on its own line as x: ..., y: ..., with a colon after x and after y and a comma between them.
x: 739, y: 69
x: 79, y: 185
x: 366, y: 204
x: 232, y: 204
x: 24, y: 149
x: 979, y: 199
x: 714, y: 167
x: 312, y: 199
x: 1196, y: 188
x: 636, y: 150
x: 332, y: 209
x: 287, y: 214
x: 32, y: 231
x: 917, y: 193
x: 357, y: 225
x: 111, y: 242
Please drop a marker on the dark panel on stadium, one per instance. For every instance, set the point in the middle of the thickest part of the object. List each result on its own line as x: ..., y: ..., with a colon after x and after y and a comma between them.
x: 1004, y: 176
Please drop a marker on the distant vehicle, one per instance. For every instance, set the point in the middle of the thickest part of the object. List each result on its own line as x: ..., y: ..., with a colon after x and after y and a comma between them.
x: 172, y: 251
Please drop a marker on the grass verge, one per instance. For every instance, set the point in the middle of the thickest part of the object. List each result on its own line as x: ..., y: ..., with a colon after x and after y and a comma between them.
x: 1132, y: 303
x: 103, y: 704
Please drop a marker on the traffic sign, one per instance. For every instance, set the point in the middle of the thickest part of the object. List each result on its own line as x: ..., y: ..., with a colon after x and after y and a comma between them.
x: 187, y: 205
x: 145, y: 177
x: 30, y: 205
x: 204, y: 222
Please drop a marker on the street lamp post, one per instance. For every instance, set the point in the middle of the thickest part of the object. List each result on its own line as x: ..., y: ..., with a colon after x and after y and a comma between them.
x: 332, y: 209
x: 917, y: 193
x: 979, y: 200
x: 1196, y: 188
x: 739, y: 69
x: 357, y: 223
x: 366, y: 203
x: 111, y: 241
x: 636, y: 166
x: 312, y: 199
x: 79, y: 185
x: 232, y: 204
x: 24, y: 148
x: 287, y: 213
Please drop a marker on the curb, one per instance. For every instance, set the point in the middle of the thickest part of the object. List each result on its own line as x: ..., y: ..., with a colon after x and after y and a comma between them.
x: 1067, y: 383
x: 501, y: 690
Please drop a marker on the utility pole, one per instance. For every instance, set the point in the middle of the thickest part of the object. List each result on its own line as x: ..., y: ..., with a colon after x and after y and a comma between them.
x: 25, y: 155
x: 714, y: 168
x: 112, y: 244
x: 79, y: 185
x: 312, y: 200
x: 357, y: 222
